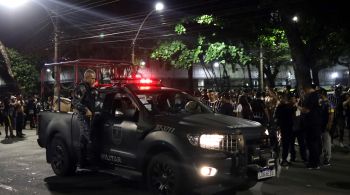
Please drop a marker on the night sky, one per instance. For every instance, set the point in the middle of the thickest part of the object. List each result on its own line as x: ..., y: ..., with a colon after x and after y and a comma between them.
x: 29, y: 29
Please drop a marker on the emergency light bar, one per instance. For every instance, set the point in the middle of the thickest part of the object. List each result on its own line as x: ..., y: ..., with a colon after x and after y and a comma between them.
x: 146, y: 81
x: 141, y: 83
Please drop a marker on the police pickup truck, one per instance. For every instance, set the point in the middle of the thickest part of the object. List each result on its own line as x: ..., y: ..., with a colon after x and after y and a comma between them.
x: 163, y: 136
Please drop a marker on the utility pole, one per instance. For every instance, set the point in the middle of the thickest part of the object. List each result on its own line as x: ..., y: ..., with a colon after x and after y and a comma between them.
x: 158, y: 7
x: 261, y: 68
x: 56, y: 93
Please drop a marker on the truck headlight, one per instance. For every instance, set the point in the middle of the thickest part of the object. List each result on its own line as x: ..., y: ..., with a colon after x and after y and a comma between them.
x: 206, y: 171
x: 209, y: 141
x: 227, y: 143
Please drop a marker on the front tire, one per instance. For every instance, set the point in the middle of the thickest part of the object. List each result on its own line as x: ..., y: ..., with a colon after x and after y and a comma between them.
x: 61, y: 162
x: 165, y: 175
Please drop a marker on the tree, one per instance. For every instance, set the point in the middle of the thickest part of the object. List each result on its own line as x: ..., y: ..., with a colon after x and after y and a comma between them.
x: 25, y: 72
x: 183, y: 52
x: 276, y: 53
x: 310, y: 37
x: 5, y: 69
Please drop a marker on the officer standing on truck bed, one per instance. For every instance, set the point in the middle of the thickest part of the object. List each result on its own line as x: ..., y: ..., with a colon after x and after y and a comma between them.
x: 83, y: 102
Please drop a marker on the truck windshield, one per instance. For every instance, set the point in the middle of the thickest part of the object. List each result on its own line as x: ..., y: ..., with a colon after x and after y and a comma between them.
x: 165, y: 102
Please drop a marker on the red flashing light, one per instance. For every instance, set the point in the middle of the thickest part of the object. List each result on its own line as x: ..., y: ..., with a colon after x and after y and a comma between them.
x: 144, y: 87
x: 146, y: 81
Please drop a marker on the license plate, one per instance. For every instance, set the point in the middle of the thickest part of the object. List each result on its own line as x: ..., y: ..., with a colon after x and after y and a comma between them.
x: 266, y: 173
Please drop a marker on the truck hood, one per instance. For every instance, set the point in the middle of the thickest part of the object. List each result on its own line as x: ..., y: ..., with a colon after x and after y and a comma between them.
x: 218, y: 121
x: 214, y: 123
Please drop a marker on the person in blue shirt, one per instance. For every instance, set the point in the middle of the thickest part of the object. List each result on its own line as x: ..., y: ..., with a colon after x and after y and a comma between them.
x: 327, y: 112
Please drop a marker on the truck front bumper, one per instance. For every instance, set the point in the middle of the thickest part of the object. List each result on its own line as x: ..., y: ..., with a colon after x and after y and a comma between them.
x: 235, y: 169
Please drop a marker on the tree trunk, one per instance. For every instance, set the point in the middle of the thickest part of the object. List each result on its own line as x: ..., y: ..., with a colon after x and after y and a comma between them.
x: 270, y: 78
x: 315, y: 77
x: 190, y: 78
x: 6, y: 58
x: 297, y: 47
x: 7, y: 74
x: 250, y: 76
x: 211, y: 70
x: 348, y: 74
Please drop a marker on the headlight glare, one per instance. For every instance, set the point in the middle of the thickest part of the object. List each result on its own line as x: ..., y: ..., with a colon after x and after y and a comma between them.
x: 210, y: 141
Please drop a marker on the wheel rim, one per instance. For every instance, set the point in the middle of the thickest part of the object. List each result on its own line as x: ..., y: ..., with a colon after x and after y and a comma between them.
x: 163, y: 178
x: 58, y: 158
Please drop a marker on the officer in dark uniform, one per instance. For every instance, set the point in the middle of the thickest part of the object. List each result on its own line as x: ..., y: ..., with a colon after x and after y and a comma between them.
x: 84, y: 102
x: 313, y: 126
x: 226, y: 107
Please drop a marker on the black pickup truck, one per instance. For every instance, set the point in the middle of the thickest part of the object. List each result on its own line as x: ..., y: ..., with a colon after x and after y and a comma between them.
x: 162, y: 136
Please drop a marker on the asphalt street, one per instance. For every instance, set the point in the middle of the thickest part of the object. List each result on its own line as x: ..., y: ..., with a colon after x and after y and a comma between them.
x: 23, y: 170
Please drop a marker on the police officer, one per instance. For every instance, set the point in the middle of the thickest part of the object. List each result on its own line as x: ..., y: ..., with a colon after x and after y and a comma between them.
x: 83, y: 102
x: 226, y: 107
x: 313, y: 126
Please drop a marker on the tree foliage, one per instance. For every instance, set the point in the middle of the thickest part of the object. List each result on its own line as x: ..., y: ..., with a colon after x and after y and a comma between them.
x: 203, y: 48
x: 276, y: 53
x: 25, y: 72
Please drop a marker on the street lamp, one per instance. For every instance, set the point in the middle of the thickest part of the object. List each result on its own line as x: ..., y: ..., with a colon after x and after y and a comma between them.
x: 334, y: 75
x: 158, y: 7
x: 17, y: 3
x: 295, y: 19
x: 12, y: 3
x: 142, y: 63
x: 53, y: 19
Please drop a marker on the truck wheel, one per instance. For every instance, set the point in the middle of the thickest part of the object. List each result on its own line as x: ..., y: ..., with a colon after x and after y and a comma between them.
x: 165, y: 175
x: 61, y: 161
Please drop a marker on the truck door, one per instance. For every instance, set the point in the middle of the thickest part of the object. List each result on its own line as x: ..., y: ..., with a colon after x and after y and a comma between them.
x: 124, y: 134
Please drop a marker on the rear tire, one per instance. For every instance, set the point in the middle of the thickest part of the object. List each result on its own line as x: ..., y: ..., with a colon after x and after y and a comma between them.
x: 61, y: 162
x: 166, y: 175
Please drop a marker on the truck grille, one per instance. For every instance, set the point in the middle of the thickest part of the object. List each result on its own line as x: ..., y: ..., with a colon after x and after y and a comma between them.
x: 232, y: 143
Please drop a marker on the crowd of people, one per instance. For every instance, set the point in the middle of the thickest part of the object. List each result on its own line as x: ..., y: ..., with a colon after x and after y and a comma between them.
x: 313, y: 117
x: 16, y: 112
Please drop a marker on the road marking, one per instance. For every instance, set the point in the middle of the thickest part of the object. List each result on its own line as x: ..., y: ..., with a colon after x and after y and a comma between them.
x: 9, y: 188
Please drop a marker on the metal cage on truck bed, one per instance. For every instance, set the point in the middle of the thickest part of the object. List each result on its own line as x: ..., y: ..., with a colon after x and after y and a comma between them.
x: 59, y: 79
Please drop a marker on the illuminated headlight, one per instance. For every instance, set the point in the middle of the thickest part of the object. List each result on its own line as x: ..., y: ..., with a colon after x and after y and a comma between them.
x: 208, y: 171
x: 210, y: 141
x: 227, y: 143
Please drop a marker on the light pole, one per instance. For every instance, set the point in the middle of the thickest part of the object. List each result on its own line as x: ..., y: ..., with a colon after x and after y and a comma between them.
x: 158, y: 7
x: 12, y: 4
x: 261, y: 67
